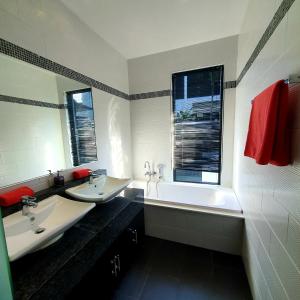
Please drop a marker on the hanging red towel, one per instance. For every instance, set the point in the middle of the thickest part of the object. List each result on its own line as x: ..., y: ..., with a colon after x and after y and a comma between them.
x: 14, y: 196
x: 81, y: 173
x: 267, y: 139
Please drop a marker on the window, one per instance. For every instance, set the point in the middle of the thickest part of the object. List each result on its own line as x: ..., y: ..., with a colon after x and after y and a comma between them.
x: 82, y: 126
x: 197, y: 114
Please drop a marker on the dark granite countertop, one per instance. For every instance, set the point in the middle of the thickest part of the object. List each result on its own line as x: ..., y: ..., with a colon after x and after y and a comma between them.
x: 52, y: 272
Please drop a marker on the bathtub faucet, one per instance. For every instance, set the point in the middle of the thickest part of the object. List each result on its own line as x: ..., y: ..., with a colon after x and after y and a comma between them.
x: 148, y: 169
x: 148, y: 173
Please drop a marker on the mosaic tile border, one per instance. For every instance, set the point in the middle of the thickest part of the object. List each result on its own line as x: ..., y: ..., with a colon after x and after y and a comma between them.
x: 148, y: 95
x: 163, y: 93
x: 18, y: 52
x: 277, y: 18
x: 10, y: 99
x: 230, y: 84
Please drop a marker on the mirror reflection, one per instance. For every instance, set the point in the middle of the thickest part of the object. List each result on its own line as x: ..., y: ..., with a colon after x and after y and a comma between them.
x: 46, y: 122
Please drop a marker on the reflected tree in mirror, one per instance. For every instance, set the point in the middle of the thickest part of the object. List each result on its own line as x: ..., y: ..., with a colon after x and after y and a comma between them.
x: 82, y: 126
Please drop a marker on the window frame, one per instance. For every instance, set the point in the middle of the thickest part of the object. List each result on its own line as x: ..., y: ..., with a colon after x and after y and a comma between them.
x: 72, y: 132
x: 187, y: 72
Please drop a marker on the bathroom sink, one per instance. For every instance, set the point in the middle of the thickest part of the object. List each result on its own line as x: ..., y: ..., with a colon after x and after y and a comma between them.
x: 44, y: 225
x: 102, y: 190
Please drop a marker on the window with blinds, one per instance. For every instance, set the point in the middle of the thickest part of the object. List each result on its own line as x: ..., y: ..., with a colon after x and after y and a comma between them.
x: 82, y: 126
x: 197, y: 114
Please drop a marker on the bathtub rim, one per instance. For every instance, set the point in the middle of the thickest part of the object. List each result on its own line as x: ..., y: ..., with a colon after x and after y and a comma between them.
x: 192, y: 207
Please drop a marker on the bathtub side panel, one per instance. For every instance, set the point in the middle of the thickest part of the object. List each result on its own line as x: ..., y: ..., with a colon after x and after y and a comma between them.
x: 215, y: 232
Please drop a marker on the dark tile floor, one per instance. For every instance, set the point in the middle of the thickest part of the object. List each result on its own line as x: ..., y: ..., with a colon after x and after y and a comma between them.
x: 166, y: 270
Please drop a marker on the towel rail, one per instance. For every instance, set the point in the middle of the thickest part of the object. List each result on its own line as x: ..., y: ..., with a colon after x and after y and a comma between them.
x: 293, y: 79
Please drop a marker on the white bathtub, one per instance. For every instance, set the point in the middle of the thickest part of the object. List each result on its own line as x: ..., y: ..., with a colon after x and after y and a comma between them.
x: 199, y: 215
x: 190, y: 196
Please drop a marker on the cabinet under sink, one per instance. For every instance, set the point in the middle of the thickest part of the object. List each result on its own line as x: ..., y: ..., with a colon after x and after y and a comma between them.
x: 104, y: 277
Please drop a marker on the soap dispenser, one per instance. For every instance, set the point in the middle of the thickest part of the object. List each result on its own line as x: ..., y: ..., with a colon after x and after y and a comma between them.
x: 59, y: 180
x: 50, y: 178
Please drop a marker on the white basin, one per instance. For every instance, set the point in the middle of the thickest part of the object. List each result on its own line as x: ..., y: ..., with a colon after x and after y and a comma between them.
x: 54, y: 214
x: 102, y: 190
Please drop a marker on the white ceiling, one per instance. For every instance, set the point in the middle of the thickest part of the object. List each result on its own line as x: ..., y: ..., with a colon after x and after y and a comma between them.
x: 141, y: 27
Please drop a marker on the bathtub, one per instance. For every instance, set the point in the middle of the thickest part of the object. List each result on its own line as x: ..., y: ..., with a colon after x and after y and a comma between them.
x: 204, y: 216
x: 192, y: 196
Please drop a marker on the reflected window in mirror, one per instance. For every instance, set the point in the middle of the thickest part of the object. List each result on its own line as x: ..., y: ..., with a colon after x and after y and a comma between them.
x: 82, y: 126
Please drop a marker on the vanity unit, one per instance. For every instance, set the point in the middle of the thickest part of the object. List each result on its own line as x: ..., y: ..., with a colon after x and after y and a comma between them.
x: 90, y: 258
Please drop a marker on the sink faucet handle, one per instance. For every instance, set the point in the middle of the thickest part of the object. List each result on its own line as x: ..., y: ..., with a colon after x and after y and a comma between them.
x: 29, y: 201
x: 147, y: 165
x: 92, y: 175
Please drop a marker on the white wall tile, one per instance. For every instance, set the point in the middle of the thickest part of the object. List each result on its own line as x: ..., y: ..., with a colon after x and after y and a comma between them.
x: 9, y: 6
x: 293, y: 241
x: 153, y: 72
x: 20, y: 33
x: 289, y: 275
x: 113, y: 137
x: 262, y: 12
x: 151, y: 135
x: 277, y: 217
x: 269, y: 195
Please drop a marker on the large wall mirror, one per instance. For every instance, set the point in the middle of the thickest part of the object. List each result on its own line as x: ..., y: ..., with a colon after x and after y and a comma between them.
x: 46, y: 122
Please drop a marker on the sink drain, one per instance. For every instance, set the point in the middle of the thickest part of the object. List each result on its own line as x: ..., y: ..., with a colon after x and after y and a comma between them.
x: 100, y: 193
x: 39, y: 230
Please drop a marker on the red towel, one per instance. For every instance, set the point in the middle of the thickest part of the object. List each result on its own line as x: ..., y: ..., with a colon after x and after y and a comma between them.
x: 81, y: 173
x: 14, y: 196
x: 268, y: 139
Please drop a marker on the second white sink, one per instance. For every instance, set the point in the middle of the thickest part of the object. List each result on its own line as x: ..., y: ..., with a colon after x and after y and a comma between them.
x: 45, y: 223
x: 102, y: 190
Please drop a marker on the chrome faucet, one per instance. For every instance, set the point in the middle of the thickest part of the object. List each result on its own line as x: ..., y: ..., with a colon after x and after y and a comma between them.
x: 28, y: 201
x: 148, y: 170
x: 92, y: 175
x: 148, y: 173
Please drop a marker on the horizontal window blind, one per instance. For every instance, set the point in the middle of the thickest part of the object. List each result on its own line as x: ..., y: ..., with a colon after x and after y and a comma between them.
x: 197, y: 114
x: 82, y: 126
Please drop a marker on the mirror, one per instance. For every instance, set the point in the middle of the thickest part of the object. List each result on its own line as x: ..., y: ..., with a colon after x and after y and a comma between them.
x: 46, y: 122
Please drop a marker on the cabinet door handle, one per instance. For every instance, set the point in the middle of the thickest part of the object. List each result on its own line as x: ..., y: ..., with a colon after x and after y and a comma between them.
x: 118, y: 263
x: 114, y: 270
x: 135, y: 235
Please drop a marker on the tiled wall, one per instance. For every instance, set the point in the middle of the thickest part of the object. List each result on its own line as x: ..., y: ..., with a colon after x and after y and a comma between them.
x: 269, y: 195
x: 151, y: 118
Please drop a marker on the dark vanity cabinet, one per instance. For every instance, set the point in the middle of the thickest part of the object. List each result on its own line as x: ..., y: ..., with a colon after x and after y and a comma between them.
x: 130, y: 240
x: 105, y: 275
